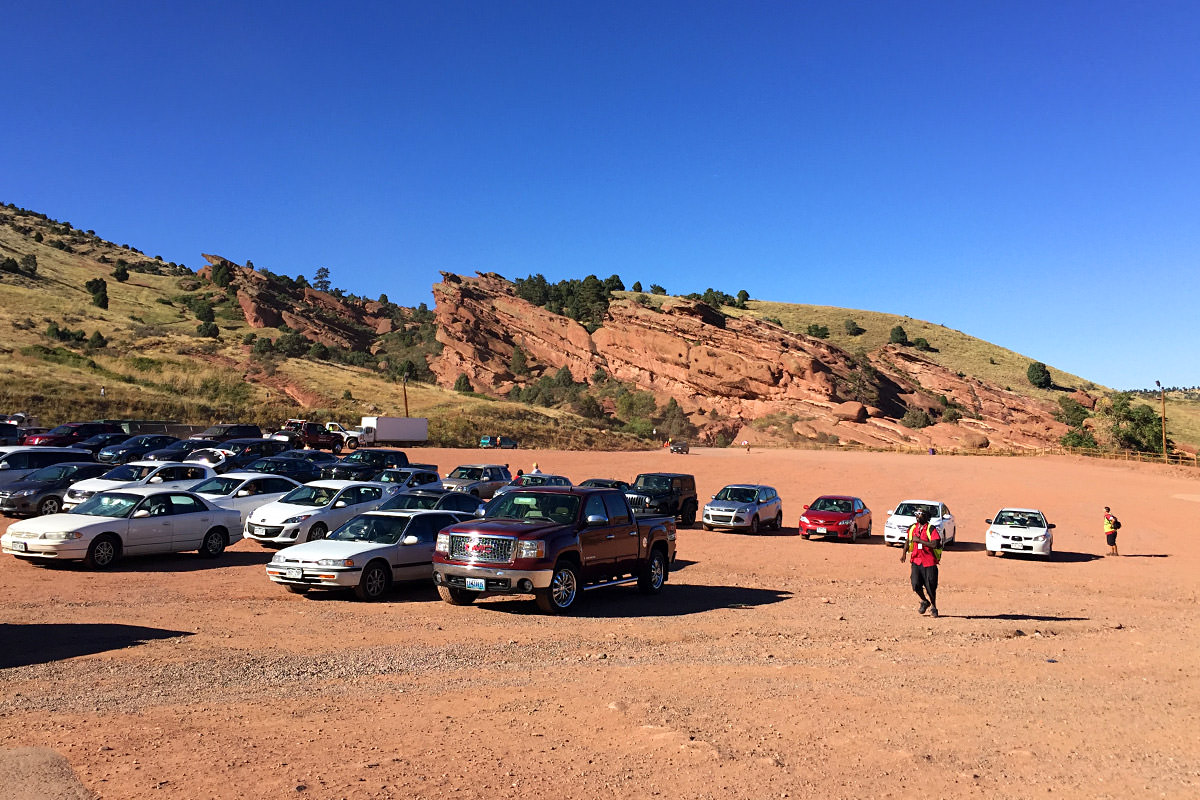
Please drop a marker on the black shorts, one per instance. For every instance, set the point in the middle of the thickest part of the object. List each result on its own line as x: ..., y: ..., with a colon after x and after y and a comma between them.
x: 924, y: 578
x: 1111, y: 538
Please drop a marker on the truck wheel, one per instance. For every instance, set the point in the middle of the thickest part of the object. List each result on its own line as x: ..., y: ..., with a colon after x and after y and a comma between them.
x: 688, y: 518
x: 654, y: 573
x: 457, y: 597
x: 352, y: 443
x: 560, y: 596
x: 337, y: 448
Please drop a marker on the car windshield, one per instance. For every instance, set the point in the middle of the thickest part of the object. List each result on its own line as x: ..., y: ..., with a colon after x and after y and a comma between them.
x: 655, y: 483
x: 216, y: 430
x: 309, y: 496
x: 534, y: 507
x: 107, y: 505
x: 543, y: 480
x: 402, y: 501
x: 831, y: 504
x: 266, y: 465
x: 380, y: 530
x: 219, y: 485
x: 467, y: 473
x: 1020, y: 519
x: 364, y: 457
x: 138, y: 441
x: 911, y: 509
x: 737, y: 494
x: 127, y: 472
x: 55, y: 473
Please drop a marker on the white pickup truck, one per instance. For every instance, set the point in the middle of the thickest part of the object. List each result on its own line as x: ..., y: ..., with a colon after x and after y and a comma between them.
x: 382, y: 430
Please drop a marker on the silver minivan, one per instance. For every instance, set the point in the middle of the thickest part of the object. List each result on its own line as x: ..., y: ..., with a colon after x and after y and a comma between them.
x: 18, y: 461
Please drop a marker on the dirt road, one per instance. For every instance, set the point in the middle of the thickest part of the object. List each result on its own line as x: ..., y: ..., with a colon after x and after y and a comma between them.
x: 770, y: 666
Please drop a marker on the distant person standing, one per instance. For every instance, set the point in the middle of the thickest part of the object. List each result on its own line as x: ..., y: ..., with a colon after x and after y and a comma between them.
x: 535, y: 470
x: 1111, y: 526
x: 925, y: 546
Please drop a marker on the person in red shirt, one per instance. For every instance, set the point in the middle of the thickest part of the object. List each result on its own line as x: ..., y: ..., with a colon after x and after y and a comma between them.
x: 925, y: 545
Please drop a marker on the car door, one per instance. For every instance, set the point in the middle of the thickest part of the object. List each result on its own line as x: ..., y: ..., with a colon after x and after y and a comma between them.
x: 248, y: 496
x: 624, y: 531
x: 191, y: 519
x: 415, y: 561
x: 862, y: 517
x: 598, y: 541
x: 947, y: 523
x: 152, y: 532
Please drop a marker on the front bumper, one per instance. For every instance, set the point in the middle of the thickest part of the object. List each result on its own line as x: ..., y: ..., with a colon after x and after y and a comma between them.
x: 895, y: 535
x: 495, y: 579
x: 37, y: 548
x: 1018, y: 543
x: 276, y: 534
x: 314, y: 576
x: 20, y: 506
x: 826, y: 531
x: 717, y: 518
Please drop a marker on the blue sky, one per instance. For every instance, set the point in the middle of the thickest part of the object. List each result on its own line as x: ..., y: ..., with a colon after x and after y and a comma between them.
x: 1026, y: 172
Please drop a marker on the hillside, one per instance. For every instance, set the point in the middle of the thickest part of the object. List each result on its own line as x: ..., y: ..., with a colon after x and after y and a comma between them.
x: 231, y: 341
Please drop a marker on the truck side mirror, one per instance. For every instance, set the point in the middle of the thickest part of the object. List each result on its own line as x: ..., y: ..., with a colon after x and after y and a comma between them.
x: 597, y: 520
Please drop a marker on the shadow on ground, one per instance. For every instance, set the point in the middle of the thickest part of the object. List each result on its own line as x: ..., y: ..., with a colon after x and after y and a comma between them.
x: 174, y: 562
x: 1017, y: 617
x: 22, y: 645
x: 626, y: 602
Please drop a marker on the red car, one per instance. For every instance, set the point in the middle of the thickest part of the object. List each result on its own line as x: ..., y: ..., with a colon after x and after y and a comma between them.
x: 836, y: 516
x: 71, y: 433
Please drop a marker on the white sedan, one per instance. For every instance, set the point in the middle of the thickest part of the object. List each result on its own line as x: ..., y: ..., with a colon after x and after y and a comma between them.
x: 901, y: 518
x: 134, y: 521
x: 366, y: 554
x: 244, y: 491
x: 159, y: 474
x: 310, y: 511
x: 1019, y: 530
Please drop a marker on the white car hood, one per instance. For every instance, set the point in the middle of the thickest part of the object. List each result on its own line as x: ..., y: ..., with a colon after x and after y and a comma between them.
x: 59, y: 522
x: 101, y: 485
x: 275, y: 513
x: 326, y: 548
x: 1014, y: 530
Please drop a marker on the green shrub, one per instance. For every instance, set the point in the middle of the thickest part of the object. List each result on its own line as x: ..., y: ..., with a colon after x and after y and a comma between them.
x: 951, y: 415
x: 1039, y: 375
x: 121, y: 272
x: 898, y: 336
x: 519, y: 364
x: 463, y: 384
x: 916, y: 418
x: 853, y: 328
x: 208, y: 330
x: 99, y: 291
x: 656, y: 289
x: 29, y: 264
x: 818, y: 331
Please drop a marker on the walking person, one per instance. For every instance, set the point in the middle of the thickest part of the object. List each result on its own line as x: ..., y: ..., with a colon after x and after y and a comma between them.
x: 1111, y: 524
x: 924, y: 543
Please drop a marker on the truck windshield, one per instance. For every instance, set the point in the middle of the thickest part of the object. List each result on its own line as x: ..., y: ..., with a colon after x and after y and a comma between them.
x: 534, y: 507
x: 655, y: 483
x: 364, y: 457
x: 380, y: 530
x: 737, y: 494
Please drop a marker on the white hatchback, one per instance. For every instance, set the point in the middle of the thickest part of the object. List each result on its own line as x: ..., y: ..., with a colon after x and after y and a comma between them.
x: 244, y: 491
x: 310, y: 511
x: 901, y: 518
x: 157, y: 474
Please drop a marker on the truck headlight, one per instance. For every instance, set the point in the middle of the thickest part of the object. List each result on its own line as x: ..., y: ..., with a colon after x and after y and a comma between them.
x: 534, y: 549
x: 442, y: 545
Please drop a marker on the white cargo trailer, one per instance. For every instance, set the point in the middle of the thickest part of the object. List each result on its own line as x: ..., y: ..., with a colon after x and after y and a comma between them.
x: 394, y: 430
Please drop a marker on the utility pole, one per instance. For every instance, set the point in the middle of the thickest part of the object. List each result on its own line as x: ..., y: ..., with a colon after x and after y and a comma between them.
x: 1163, y: 393
x: 405, y: 385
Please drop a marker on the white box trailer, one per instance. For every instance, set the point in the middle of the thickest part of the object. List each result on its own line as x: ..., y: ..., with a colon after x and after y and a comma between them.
x: 394, y: 430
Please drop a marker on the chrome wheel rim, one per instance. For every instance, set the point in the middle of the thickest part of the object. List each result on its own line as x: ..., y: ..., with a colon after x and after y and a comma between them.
x: 51, y: 506
x: 104, y: 553
x: 316, y: 532
x: 212, y: 543
x: 374, y: 582
x: 656, y: 572
x: 563, y: 588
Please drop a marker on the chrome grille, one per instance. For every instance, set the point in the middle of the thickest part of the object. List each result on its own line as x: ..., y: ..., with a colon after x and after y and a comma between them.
x: 638, y: 502
x: 482, y: 549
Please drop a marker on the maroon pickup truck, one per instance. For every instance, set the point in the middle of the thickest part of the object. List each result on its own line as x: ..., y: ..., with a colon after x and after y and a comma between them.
x: 300, y: 433
x: 553, y: 543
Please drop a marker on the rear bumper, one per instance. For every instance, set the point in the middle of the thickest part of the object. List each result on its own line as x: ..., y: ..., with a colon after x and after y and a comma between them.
x: 496, y: 579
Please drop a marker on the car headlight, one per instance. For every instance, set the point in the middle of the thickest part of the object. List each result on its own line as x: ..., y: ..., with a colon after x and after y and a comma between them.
x: 804, y: 519
x: 335, y: 562
x: 1041, y: 537
x: 442, y: 545
x: 295, y: 519
x: 61, y: 536
x: 24, y: 493
x: 534, y: 549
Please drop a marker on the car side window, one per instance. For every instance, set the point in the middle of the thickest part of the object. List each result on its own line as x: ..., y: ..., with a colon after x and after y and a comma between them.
x: 945, y: 511
x: 184, y: 504
x: 369, y: 494
x: 158, y: 506
x: 618, y: 511
x: 676, y: 484
x: 460, y: 502
x: 858, y: 506
x: 18, y: 461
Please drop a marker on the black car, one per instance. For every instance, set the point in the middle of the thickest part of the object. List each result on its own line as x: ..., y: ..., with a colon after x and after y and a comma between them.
x: 318, y: 457
x: 235, y: 454
x: 605, y: 483
x: 295, y: 468
x: 94, y: 444
x: 227, y: 431
x: 41, y: 492
x: 364, y: 465
x: 179, y: 451
x: 432, y: 499
x: 134, y: 448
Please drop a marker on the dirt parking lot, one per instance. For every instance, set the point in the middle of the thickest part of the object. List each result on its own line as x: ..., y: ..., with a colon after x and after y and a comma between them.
x: 769, y: 666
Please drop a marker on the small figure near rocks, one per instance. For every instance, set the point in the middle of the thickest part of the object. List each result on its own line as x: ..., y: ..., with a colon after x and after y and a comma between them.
x: 746, y: 444
x: 1111, y: 526
x: 925, y: 544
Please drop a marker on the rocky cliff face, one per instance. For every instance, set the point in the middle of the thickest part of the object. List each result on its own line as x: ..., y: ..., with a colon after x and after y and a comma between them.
x: 743, y: 368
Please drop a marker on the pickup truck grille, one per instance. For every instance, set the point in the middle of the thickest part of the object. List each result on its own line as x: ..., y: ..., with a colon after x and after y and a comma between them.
x: 481, y: 549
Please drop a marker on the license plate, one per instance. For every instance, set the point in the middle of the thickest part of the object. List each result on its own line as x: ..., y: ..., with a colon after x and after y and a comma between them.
x: 822, y: 530
x: 476, y: 584
x: 294, y: 572
x: 21, y: 547
x: 258, y: 531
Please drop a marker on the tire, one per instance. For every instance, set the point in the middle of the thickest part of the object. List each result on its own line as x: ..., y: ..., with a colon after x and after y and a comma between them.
x: 296, y: 589
x: 706, y: 526
x: 688, y: 518
x: 754, y: 524
x: 991, y: 553
x: 563, y: 592
x: 778, y: 524
x: 337, y: 448
x: 867, y: 535
x: 475, y: 493
x: 103, y: 551
x: 804, y: 536
x: 49, y: 505
x: 375, y: 582
x: 654, y: 573
x: 317, y: 531
x: 213, y: 544
x: 457, y: 597
x: 352, y: 444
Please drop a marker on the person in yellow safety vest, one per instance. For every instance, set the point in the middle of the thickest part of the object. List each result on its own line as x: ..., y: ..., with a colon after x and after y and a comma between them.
x: 1110, y: 531
x: 924, y: 543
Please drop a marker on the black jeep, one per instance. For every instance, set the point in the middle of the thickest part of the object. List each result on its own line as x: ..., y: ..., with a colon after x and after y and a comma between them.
x: 665, y: 493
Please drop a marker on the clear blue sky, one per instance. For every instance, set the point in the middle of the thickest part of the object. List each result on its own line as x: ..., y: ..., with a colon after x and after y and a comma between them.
x: 1026, y: 172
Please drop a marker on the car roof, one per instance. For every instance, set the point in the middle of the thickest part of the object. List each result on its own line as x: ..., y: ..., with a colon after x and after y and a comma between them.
x: 145, y: 491
x: 162, y: 464
x: 16, y: 448
x: 669, y: 474
x: 249, y: 475
x: 838, y: 497
x: 755, y: 486
x: 1021, y: 510
x: 339, y: 484
x: 925, y: 502
x: 468, y: 466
